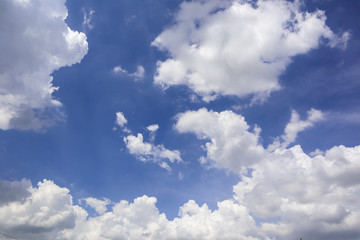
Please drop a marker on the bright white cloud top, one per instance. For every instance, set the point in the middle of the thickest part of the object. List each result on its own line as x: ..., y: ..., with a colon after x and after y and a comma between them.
x: 37, y: 42
x: 231, y: 145
x: 237, y: 47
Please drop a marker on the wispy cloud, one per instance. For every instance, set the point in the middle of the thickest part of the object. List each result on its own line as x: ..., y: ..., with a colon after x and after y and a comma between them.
x: 87, y: 19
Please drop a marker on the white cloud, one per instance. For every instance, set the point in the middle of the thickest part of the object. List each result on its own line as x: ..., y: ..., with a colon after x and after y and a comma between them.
x: 87, y: 19
x: 295, y: 126
x: 153, y: 127
x: 138, y: 75
x: 120, y: 119
x: 35, y: 43
x: 310, y: 197
x: 150, y: 152
x: 41, y: 214
x: 119, y: 69
x: 231, y: 144
x: 147, y: 151
x: 100, y: 206
x: 138, y: 220
x: 289, y: 193
x: 237, y: 47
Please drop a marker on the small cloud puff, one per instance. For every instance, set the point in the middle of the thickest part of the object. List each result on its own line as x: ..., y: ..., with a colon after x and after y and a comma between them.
x: 138, y: 75
x: 152, y: 128
x: 120, y: 119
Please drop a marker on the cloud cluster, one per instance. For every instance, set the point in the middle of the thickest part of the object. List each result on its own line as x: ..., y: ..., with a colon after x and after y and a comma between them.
x: 238, y: 47
x: 35, y: 43
x: 288, y: 195
x: 147, y: 151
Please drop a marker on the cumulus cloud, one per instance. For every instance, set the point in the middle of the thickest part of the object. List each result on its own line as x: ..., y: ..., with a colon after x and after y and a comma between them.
x: 316, y: 198
x: 41, y: 213
x: 138, y: 75
x: 231, y: 146
x: 145, y: 151
x: 295, y: 126
x: 238, y: 47
x: 35, y: 43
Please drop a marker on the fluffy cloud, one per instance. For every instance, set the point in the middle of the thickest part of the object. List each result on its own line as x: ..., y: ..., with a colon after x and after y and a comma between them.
x: 41, y: 213
x: 145, y: 151
x: 120, y: 119
x: 152, y: 128
x: 295, y: 126
x: 138, y: 220
x: 316, y: 198
x: 138, y: 75
x: 231, y: 144
x: 35, y: 43
x: 289, y: 193
x: 237, y: 47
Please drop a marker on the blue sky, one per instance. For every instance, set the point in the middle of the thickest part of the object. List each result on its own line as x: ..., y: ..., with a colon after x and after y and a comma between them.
x: 210, y: 74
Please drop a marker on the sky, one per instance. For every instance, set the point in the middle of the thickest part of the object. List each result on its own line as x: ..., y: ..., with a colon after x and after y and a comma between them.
x: 171, y: 119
